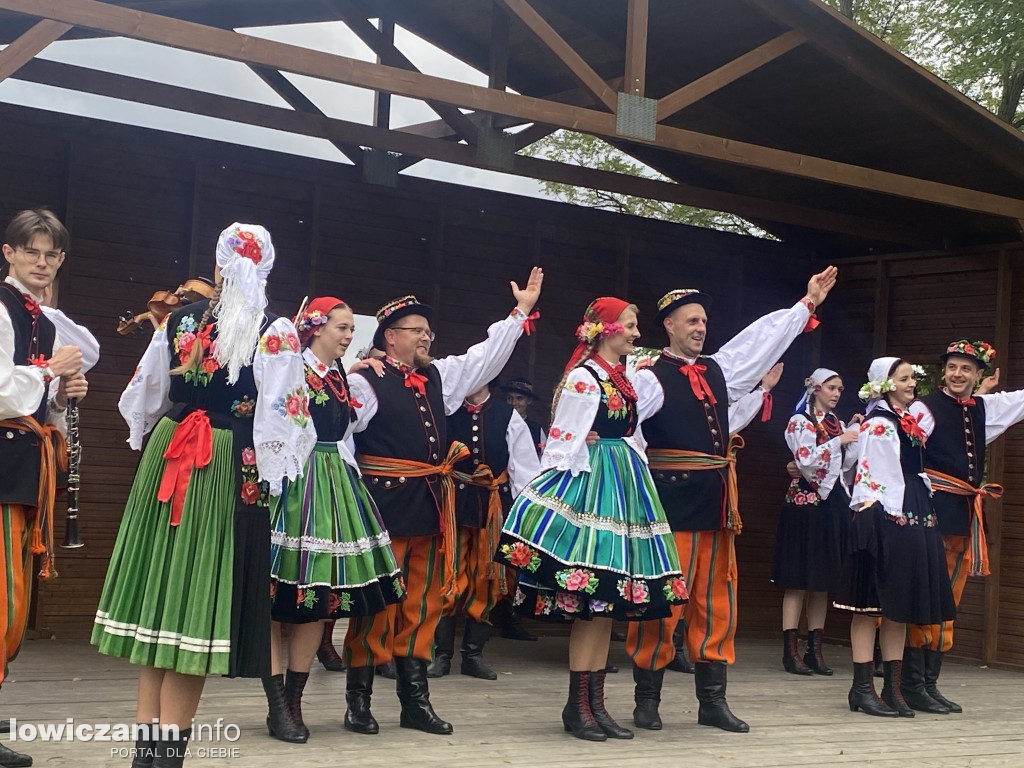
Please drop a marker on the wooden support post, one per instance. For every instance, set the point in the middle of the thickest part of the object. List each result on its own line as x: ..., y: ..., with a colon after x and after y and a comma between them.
x: 997, y: 468
x: 382, y: 99
x: 880, y: 341
x: 635, y: 80
x: 25, y: 48
x: 314, y: 238
x: 197, y: 204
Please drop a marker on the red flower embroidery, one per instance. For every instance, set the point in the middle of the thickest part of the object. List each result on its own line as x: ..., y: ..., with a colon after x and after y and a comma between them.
x: 581, y: 386
x: 615, y: 403
x: 555, y: 433
x: 300, y: 595
x: 314, y: 381
x: 879, y: 430
x: 249, y: 248
x: 803, y: 452
x: 210, y: 364
x: 293, y: 342
x: 332, y: 603
x: 294, y: 406
x: 250, y: 492
x: 273, y: 344
x: 248, y: 457
x: 520, y: 556
x: 567, y: 436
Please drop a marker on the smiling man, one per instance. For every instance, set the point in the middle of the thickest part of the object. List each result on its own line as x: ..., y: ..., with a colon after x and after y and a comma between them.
x: 683, y: 400
x: 965, y: 423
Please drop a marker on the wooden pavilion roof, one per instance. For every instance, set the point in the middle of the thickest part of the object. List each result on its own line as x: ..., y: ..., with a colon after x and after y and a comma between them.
x: 781, y: 111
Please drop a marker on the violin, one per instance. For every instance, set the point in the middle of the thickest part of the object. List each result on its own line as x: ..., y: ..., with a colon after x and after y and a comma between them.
x: 162, y: 303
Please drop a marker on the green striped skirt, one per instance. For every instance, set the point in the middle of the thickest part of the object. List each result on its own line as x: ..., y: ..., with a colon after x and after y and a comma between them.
x: 330, y: 555
x: 594, y: 545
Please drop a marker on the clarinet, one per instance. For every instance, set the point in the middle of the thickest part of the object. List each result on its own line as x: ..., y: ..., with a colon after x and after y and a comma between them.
x: 71, y: 537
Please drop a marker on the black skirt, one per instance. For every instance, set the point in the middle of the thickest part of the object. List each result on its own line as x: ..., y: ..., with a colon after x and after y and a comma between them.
x: 897, y: 571
x: 810, y: 543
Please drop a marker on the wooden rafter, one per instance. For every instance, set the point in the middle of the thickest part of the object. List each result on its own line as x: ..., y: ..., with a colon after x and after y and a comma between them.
x: 26, y: 47
x: 284, y: 88
x: 239, y: 47
x: 389, y: 54
x: 728, y: 73
x: 382, y: 99
x: 635, y: 80
x: 547, y: 35
x: 307, y: 124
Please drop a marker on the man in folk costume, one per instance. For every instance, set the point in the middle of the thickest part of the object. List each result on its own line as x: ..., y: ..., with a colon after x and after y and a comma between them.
x: 34, y: 350
x: 502, y: 461
x: 407, y: 462
x: 692, y: 460
x: 965, y: 423
x: 519, y: 394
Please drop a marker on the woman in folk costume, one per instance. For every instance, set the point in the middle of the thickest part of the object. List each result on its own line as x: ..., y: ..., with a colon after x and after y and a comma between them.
x: 896, y: 564
x: 811, y: 538
x: 221, y: 387
x: 330, y: 555
x: 589, y: 535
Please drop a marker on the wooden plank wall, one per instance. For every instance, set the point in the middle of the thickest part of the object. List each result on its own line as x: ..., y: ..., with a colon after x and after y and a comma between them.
x: 145, y: 209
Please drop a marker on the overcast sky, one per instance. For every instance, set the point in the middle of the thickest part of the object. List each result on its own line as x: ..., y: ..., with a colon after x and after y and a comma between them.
x: 206, y: 73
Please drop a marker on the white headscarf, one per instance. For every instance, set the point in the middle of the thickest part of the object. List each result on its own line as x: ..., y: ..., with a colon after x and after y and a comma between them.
x: 245, y: 256
x: 812, y: 384
x: 879, y: 381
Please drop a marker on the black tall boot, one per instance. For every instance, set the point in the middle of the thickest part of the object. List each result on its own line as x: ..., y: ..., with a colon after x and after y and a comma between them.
x: 327, y: 654
x: 932, y: 670
x: 444, y: 648
x: 145, y: 747
x: 647, y: 696
x: 415, y: 697
x: 577, y: 716
x: 387, y: 670
x: 912, y: 684
x: 280, y: 720
x: 862, y: 694
x: 604, y: 721
x: 514, y: 629
x: 892, y: 689
x: 358, y: 690
x: 879, y: 669
x: 294, y: 685
x: 814, y: 658
x: 710, y: 678
x: 681, y: 661
x: 474, y: 635
x: 170, y: 753
x: 791, y: 660
x: 9, y: 757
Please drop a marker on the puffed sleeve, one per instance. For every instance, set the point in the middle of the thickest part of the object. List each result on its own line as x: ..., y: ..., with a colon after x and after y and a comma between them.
x: 566, y: 448
x: 820, y: 465
x: 650, y: 396
x: 1002, y: 411
x: 70, y: 332
x: 879, y: 477
x: 461, y: 375
x: 146, y: 398
x: 523, y: 464
x: 22, y: 387
x: 282, y: 427
x: 743, y: 411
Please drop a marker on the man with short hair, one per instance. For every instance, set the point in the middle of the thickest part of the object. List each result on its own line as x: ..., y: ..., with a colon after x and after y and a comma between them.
x: 39, y: 372
x: 954, y: 460
x: 519, y: 394
x: 407, y: 462
x: 684, y: 401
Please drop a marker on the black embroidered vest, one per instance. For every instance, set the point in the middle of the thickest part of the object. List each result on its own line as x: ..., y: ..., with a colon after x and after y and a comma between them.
x: 407, y: 425
x: 957, y: 448
x: 486, y: 435
x: 331, y: 415
x: 693, y: 501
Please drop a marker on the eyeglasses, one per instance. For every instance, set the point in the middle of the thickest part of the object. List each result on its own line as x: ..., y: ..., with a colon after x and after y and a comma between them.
x: 418, y: 331
x: 52, y: 257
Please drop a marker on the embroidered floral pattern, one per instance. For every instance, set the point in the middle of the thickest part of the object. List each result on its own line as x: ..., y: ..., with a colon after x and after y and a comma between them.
x: 633, y: 591
x: 545, y: 605
x: 675, y: 590
x: 580, y: 387
x: 614, y: 401
x: 186, y: 335
x: 306, y: 598
x: 520, y: 555
x: 878, y: 429
x: 556, y: 434
x: 253, y: 491
x: 864, y: 478
x: 317, y: 391
x: 567, y: 602
x: 272, y: 344
x: 293, y: 406
x: 796, y: 495
x: 398, y: 585
x: 244, y: 408
x: 577, y: 580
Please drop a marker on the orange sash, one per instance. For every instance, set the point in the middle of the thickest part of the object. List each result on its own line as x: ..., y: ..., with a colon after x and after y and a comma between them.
x: 954, y: 485
x: 483, y: 477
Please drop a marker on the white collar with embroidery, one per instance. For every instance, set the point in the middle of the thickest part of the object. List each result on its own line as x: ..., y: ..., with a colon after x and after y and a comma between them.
x: 602, y: 374
x: 17, y: 284
x: 314, y: 362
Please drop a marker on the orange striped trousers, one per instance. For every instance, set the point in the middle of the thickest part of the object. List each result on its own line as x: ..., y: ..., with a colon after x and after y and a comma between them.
x: 16, y: 589
x: 405, y: 628
x: 475, y: 594
x: 710, y: 614
x: 939, y: 637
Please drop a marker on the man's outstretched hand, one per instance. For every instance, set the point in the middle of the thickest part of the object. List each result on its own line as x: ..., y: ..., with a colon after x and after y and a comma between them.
x: 819, y: 285
x: 527, y: 297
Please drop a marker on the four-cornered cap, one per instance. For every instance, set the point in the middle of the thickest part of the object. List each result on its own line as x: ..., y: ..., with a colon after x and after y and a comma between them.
x: 519, y: 387
x: 979, y: 351
x: 396, y: 310
x: 668, y: 303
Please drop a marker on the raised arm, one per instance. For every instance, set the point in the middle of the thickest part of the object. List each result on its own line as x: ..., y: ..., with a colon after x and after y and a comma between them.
x: 1002, y: 411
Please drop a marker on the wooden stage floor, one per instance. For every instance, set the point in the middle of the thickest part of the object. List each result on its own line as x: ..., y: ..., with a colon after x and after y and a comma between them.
x: 514, y: 721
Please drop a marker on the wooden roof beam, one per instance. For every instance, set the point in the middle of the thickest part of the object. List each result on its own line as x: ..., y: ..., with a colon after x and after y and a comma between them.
x: 332, y: 67
x: 635, y: 80
x: 287, y: 90
x: 32, y: 42
x: 728, y: 73
x: 317, y: 126
x: 388, y: 54
x: 547, y: 35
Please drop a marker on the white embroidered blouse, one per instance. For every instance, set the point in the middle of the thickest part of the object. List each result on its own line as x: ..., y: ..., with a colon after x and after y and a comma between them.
x: 821, y: 465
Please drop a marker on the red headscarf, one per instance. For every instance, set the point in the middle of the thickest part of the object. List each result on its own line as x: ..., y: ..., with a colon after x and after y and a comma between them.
x: 315, y: 314
x: 607, y: 309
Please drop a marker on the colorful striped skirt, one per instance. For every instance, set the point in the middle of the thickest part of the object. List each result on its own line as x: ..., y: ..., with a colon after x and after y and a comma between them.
x: 330, y: 555
x: 595, y: 545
